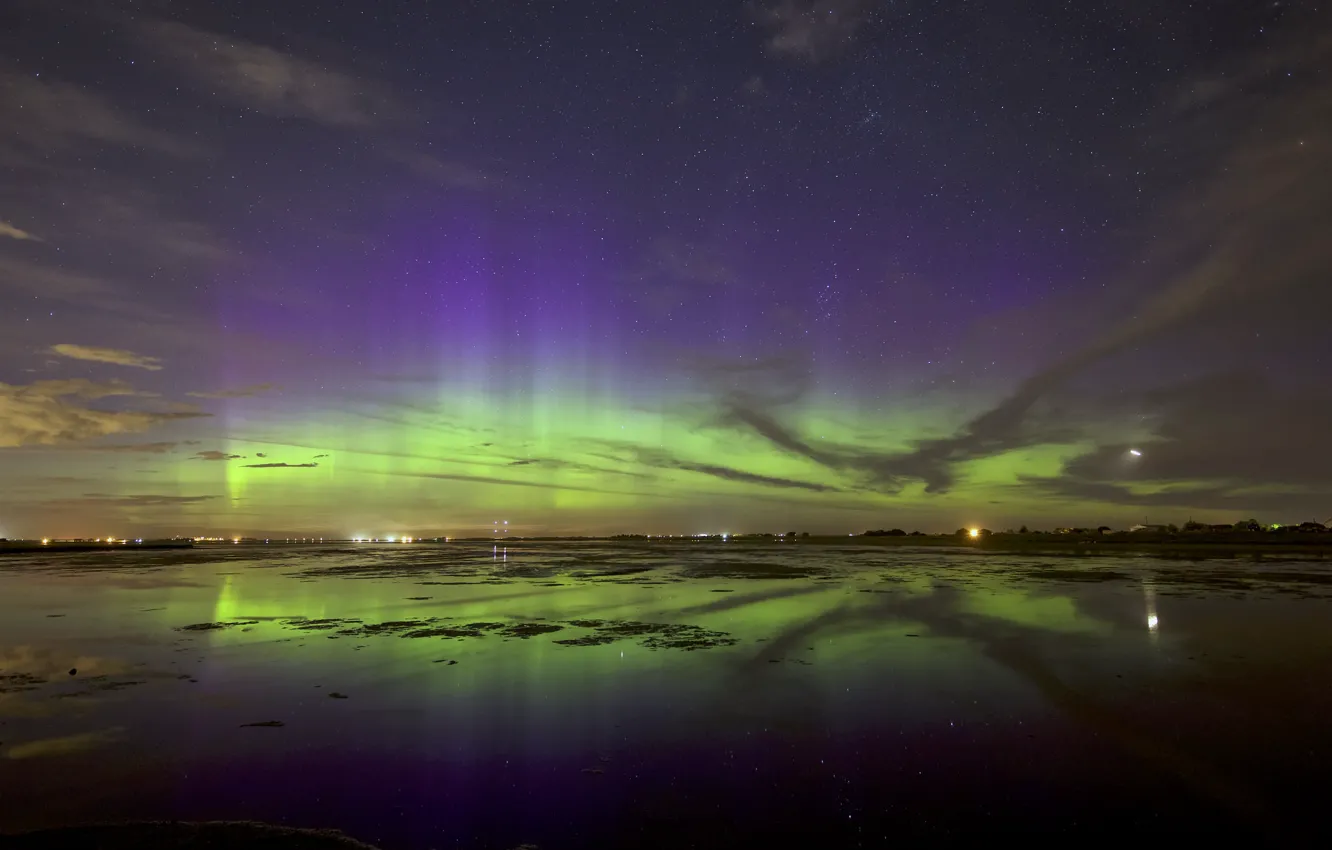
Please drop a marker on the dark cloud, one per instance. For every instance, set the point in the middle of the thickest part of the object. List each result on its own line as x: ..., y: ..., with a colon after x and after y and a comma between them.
x: 659, y: 459
x: 280, y: 465
x: 1239, y: 503
x: 765, y: 382
x: 1251, y: 228
x: 572, y: 465
x: 1255, y: 227
x: 740, y: 409
x: 727, y: 473
x: 317, y: 457
x: 238, y: 392
x: 1233, y: 441
x: 214, y: 454
x: 139, y: 448
x: 260, y: 454
x: 1239, y: 428
x: 752, y: 397
x: 142, y: 501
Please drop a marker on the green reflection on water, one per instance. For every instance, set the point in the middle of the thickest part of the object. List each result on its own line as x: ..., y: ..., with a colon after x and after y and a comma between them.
x: 1034, y: 610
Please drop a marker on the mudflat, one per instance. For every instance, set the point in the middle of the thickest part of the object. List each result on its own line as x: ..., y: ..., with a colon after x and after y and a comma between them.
x: 609, y: 694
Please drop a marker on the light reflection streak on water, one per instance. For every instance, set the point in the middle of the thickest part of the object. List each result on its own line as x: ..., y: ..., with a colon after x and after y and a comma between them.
x: 1149, y: 604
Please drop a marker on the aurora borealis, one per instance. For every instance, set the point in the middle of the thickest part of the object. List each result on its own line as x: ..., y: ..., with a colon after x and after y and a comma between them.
x: 821, y: 265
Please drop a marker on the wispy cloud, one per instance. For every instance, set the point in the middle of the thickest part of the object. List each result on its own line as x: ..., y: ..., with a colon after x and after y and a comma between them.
x: 238, y: 392
x: 64, y: 746
x: 676, y: 274
x: 114, y: 356
x: 813, y: 30
x: 664, y: 460
x: 270, y: 81
x: 41, y: 114
x: 286, y: 85
x: 10, y: 231
x: 571, y: 465
x: 542, y: 485
x: 52, y: 412
x: 1252, y: 228
x: 145, y: 221
x: 142, y: 500
x: 34, y: 280
x: 136, y: 448
x: 445, y: 172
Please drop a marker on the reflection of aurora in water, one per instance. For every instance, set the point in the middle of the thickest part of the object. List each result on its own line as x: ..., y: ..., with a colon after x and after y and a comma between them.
x: 456, y: 661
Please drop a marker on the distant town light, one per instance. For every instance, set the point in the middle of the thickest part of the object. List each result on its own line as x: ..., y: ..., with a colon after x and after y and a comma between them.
x: 46, y: 540
x: 1135, y: 452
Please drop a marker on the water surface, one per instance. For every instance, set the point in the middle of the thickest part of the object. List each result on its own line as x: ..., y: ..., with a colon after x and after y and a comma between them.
x: 570, y: 695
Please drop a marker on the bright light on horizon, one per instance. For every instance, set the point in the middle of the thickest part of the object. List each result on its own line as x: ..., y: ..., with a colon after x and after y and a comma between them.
x: 975, y: 532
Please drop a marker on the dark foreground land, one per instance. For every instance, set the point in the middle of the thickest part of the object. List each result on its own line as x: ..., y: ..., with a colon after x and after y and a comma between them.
x: 28, y: 547
x: 591, y: 695
x: 219, y: 835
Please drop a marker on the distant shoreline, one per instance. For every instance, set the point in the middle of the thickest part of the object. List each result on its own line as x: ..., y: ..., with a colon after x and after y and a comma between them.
x: 1298, y: 546
x: 1121, y: 544
x: 1246, y: 545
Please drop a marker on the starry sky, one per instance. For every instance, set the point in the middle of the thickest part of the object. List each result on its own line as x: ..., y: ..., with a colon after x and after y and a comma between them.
x: 595, y: 267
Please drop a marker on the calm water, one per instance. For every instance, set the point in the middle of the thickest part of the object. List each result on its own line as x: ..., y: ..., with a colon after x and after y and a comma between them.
x: 600, y: 695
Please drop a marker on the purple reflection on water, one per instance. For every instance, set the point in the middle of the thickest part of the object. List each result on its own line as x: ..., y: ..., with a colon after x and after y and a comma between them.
x: 605, y: 696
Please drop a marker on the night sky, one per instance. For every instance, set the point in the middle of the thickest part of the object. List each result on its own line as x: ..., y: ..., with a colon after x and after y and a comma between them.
x: 588, y: 267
